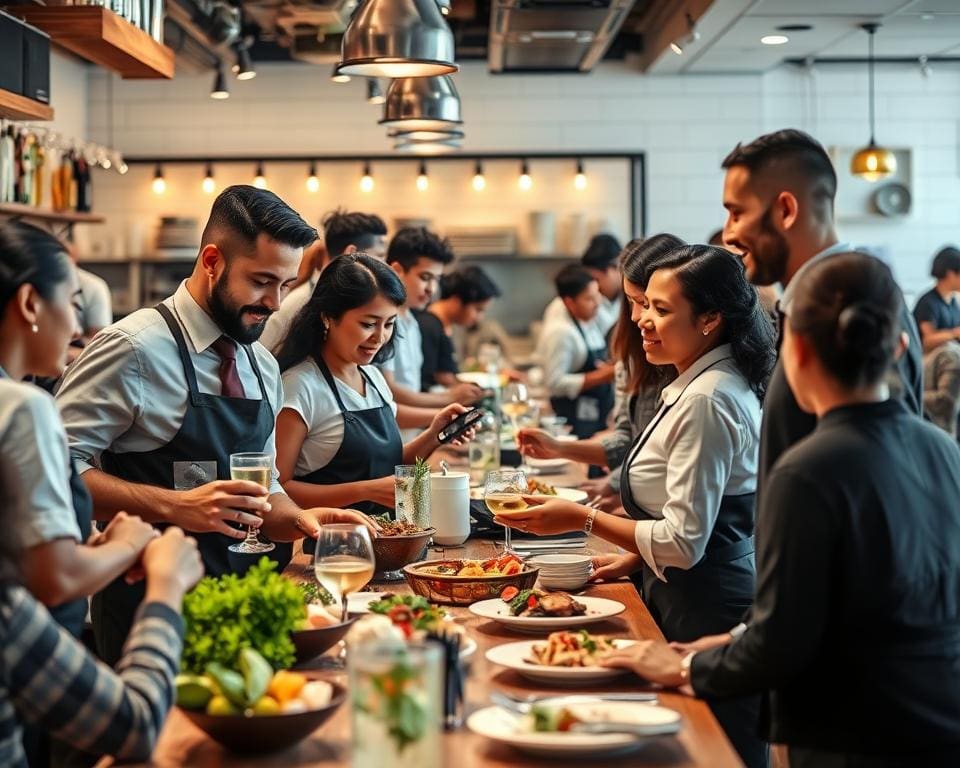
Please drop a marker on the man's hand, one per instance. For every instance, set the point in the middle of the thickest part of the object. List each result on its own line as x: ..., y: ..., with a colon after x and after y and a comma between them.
x: 127, y: 529
x: 465, y: 393
x: 172, y: 564
x: 310, y: 520
x: 210, y: 507
x: 613, y: 567
x: 652, y: 660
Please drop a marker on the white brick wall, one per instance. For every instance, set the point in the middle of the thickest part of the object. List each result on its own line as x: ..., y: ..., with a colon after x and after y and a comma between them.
x: 685, y: 124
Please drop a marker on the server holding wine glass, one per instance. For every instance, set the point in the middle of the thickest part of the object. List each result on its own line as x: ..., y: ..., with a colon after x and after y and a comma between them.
x: 158, y: 402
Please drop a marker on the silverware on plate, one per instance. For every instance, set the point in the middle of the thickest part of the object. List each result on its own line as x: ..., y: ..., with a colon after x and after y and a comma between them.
x: 634, y: 729
x: 523, y: 704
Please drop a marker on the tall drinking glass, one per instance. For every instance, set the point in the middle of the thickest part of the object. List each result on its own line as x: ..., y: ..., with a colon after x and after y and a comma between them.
x: 503, y: 492
x: 257, y: 468
x: 343, y: 561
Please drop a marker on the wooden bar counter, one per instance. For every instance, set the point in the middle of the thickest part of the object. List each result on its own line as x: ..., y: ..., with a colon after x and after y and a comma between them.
x: 700, y: 743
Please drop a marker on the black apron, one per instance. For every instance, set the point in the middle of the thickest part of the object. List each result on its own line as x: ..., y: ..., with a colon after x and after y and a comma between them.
x: 371, y: 448
x: 213, y: 427
x: 710, y: 598
x: 587, y: 412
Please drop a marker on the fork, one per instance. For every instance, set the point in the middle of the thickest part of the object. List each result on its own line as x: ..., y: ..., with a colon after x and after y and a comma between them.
x: 523, y: 705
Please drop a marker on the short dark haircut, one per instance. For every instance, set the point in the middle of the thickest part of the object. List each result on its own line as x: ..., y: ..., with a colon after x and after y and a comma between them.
x: 786, y: 155
x: 602, y: 253
x: 713, y: 280
x: 848, y: 306
x: 572, y: 280
x: 29, y: 255
x: 247, y: 212
x: 946, y: 260
x: 349, y: 281
x: 411, y: 244
x: 345, y: 228
x: 469, y: 284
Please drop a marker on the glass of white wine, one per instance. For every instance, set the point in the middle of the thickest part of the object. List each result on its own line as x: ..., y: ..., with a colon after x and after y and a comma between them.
x: 257, y: 468
x: 516, y: 406
x: 343, y: 561
x: 503, y: 492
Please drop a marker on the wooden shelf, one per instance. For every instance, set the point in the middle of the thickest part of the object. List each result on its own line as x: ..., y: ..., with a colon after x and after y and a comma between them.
x: 101, y: 36
x: 13, y: 106
x: 46, y: 214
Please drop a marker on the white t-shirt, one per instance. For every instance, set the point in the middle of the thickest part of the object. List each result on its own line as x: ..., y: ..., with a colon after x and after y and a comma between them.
x: 279, y: 322
x: 306, y: 391
x: 35, y: 465
x: 407, y: 362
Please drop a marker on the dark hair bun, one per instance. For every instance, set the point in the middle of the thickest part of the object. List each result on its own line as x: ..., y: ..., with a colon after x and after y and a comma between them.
x: 861, y: 326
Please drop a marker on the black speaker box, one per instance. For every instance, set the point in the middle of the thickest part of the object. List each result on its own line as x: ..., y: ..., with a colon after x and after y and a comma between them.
x: 11, y: 54
x: 36, y: 64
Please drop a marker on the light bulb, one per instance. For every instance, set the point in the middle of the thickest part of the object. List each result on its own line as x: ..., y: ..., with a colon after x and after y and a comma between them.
x: 479, y: 182
x: 208, y: 185
x: 123, y: 168
x: 260, y: 180
x: 423, y: 183
x: 313, y: 183
x: 366, y: 183
x: 580, y: 181
x: 159, y: 185
x: 525, y: 182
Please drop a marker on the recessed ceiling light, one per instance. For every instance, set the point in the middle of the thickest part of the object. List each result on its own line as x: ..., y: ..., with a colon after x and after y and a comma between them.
x: 774, y: 39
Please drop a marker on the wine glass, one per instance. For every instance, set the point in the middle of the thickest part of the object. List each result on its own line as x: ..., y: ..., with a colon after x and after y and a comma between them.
x: 343, y: 561
x: 503, y: 492
x: 257, y: 468
x: 517, y: 406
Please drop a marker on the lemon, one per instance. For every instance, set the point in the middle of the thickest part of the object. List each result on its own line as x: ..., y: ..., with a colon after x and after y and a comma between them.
x: 221, y: 705
x: 267, y: 706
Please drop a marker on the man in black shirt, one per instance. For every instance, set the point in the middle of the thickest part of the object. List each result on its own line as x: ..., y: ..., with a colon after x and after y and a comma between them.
x: 779, y: 191
x: 465, y: 295
x: 937, y: 312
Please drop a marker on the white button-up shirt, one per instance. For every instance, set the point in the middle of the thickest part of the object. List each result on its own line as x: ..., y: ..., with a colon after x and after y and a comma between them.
x: 563, y: 351
x: 705, y: 447
x: 127, y: 391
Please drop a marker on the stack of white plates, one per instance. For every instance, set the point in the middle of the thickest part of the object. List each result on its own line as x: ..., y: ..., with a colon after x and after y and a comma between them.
x: 566, y: 572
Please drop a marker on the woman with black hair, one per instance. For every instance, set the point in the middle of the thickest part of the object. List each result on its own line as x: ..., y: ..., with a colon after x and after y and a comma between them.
x: 337, y: 435
x: 638, y: 384
x: 858, y: 552
x: 688, y: 481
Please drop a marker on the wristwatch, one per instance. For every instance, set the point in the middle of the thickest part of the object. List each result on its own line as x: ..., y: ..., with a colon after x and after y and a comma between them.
x: 588, y: 523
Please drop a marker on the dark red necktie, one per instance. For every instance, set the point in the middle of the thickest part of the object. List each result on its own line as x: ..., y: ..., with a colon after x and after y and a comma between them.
x: 230, y: 385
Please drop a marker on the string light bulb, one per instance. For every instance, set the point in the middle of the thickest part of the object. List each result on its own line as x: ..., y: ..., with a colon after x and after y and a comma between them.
x: 580, y: 180
x: 313, y: 183
x: 159, y: 183
x: 260, y: 180
x: 208, y: 185
x: 366, y: 181
x: 479, y: 181
x: 524, y: 182
x: 423, y: 183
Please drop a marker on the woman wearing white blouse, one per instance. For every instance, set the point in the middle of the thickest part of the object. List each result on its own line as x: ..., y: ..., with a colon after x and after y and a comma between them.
x: 688, y: 481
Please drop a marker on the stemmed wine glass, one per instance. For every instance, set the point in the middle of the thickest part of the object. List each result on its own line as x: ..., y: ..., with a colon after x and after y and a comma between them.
x: 503, y: 492
x: 516, y: 405
x: 343, y: 561
x: 257, y: 468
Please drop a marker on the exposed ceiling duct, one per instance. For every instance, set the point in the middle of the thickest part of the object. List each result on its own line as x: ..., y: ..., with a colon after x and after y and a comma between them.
x: 552, y: 35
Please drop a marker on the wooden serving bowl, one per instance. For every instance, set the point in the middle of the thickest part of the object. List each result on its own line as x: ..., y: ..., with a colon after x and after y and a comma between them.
x: 463, y: 590
x: 265, y: 733
x: 394, y: 552
x: 311, y: 643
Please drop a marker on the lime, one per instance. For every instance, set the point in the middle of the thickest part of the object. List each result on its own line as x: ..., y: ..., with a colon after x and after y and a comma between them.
x: 267, y: 706
x: 194, y: 691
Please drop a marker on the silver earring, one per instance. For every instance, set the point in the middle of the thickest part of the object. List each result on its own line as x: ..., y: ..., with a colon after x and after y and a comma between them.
x: 706, y: 332
x: 35, y: 328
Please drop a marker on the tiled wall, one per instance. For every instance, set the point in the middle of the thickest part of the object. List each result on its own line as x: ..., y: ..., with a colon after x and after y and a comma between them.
x: 685, y: 124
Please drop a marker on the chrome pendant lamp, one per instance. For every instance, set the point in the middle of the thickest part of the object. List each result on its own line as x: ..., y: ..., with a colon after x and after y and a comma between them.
x: 872, y: 162
x: 422, y: 104
x: 411, y: 147
x: 397, y: 38
x: 431, y: 135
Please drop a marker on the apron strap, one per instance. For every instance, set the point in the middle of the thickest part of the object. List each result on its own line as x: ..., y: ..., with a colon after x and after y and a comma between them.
x: 332, y: 384
x: 248, y: 348
x: 188, y: 368
x: 370, y: 383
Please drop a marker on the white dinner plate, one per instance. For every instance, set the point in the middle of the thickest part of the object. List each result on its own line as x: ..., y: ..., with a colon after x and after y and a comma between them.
x: 514, y: 656
x: 568, y: 494
x: 546, y: 466
x: 507, y: 727
x: 598, y: 609
x: 359, y: 602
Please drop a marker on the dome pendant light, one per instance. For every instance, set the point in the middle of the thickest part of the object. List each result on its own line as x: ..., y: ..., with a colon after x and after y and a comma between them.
x: 397, y: 38
x: 422, y: 104
x: 872, y: 162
